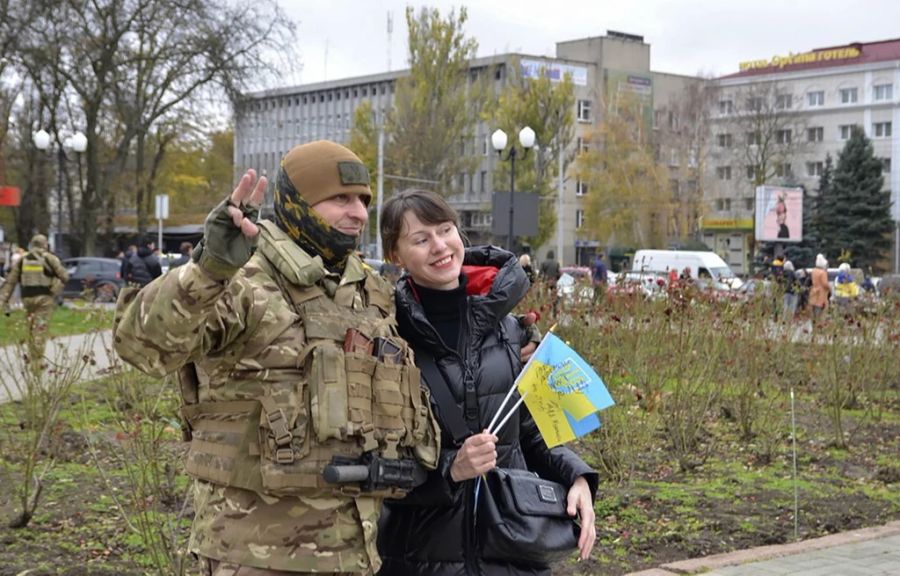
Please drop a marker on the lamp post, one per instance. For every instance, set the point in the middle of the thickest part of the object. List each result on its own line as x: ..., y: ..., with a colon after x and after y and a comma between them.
x: 498, y: 141
x: 77, y: 142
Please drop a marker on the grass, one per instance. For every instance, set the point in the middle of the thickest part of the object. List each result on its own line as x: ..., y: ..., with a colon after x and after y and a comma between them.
x: 66, y: 320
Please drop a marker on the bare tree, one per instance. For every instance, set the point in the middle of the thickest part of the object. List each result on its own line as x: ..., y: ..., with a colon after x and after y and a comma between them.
x: 764, y: 130
x: 126, y: 68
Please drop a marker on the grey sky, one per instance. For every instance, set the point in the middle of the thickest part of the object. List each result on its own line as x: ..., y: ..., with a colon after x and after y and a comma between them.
x: 686, y: 36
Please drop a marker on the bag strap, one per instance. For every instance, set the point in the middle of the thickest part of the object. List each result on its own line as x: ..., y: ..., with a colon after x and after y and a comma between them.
x: 448, y: 411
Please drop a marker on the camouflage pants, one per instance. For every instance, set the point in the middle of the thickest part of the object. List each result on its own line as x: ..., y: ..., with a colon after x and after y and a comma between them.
x: 39, y: 309
x: 212, y: 567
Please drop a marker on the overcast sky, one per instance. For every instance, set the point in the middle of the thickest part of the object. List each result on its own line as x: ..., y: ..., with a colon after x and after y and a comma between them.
x: 344, y: 38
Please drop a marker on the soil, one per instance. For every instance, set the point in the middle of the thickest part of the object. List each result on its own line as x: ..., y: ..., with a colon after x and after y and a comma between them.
x: 730, y: 502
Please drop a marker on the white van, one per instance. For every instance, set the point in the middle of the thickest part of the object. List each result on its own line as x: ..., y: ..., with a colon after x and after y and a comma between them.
x: 703, y: 265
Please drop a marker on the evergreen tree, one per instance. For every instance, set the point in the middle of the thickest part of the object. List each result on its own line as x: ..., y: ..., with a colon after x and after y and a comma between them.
x: 855, y: 218
x: 803, y: 254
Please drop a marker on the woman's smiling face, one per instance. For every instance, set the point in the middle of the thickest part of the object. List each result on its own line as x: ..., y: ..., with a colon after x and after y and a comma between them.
x: 431, y: 253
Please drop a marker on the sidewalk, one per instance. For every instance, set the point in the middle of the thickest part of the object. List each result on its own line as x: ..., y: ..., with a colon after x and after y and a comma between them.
x: 864, y: 552
x: 65, y: 349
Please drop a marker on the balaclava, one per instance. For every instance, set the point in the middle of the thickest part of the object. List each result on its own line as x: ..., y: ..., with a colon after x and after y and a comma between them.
x: 311, y: 173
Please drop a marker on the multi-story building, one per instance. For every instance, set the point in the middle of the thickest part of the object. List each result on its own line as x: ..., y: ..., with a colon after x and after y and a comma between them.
x: 775, y: 120
x: 269, y: 123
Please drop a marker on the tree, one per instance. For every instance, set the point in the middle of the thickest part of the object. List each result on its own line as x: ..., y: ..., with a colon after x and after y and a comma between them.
x: 546, y: 107
x: 628, y: 199
x: 436, y: 107
x: 855, y: 217
x: 126, y: 73
x: 765, y: 133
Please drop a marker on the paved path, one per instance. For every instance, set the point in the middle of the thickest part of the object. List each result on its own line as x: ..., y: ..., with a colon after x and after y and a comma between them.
x: 64, y: 350
x: 865, y: 552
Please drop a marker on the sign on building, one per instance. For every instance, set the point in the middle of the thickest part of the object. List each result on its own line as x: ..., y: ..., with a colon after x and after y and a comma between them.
x: 779, y: 214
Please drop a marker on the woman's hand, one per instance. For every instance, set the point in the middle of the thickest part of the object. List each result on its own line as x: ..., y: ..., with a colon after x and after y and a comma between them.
x: 477, y: 455
x: 580, y: 503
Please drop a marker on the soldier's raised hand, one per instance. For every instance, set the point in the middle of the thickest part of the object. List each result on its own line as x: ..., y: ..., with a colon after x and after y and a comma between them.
x: 230, y: 230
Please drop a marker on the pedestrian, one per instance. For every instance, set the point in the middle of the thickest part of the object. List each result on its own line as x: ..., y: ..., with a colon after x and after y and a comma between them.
x: 525, y: 262
x: 291, y: 368
x: 803, y: 283
x: 790, y: 289
x: 186, y: 249
x: 474, y: 343
x: 143, y: 266
x: 846, y: 290
x: 41, y: 278
x: 819, y: 291
x: 599, y: 277
x: 550, y: 273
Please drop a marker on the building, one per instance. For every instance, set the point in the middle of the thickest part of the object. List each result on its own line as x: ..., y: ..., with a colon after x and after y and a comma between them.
x: 269, y: 123
x: 798, y: 107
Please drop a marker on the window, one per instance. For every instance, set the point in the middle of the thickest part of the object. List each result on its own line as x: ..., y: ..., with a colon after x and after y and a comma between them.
x: 579, y: 218
x: 815, y: 168
x: 783, y: 136
x: 886, y: 165
x: 752, y: 170
x: 884, y: 92
x: 581, y: 188
x: 752, y: 138
x: 580, y: 145
x: 783, y: 170
x: 816, y: 98
x: 882, y: 129
x: 748, y: 203
x: 723, y: 204
x: 673, y: 121
x: 845, y: 131
x: 461, y: 181
x: 723, y: 172
x: 482, y: 181
x: 584, y: 110
x: 724, y: 140
x: 754, y: 103
x: 726, y: 106
x: 815, y: 134
x: 784, y: 101
x: 485, y: 145
x: 848, y: 95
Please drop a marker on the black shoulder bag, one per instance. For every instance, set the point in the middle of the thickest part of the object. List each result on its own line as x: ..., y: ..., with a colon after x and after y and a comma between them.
x: 522, y: 518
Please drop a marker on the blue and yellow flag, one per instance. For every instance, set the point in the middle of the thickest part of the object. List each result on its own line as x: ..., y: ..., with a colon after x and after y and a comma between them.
x: 562, y: 392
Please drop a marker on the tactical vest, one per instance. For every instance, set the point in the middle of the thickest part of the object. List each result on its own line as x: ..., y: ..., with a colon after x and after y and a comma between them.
x: 350, y: 401
x: 34, y: 279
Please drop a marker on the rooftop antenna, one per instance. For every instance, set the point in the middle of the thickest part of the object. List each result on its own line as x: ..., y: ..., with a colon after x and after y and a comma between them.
x: 390, y: 32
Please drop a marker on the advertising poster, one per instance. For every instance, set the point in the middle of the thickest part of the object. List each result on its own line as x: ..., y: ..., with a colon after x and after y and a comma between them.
x: 779, y: 214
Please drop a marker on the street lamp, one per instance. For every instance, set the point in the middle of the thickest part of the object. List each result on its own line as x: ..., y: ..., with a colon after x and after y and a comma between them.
x: 498, y: 141
x: 77, y: 142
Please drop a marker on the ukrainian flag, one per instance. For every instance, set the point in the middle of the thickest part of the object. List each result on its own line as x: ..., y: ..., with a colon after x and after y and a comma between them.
x: 562, y: 392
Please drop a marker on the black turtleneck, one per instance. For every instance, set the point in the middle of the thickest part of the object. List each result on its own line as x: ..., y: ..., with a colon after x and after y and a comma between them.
x: 445, y: 310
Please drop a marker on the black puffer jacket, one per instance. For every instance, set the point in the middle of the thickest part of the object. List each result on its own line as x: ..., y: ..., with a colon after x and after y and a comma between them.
x: 430, y: 531
x: 142, y: 268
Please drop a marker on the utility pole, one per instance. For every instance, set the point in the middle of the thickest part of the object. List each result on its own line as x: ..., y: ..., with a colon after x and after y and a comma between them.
x: 379, y: 251
x: 559, y: 196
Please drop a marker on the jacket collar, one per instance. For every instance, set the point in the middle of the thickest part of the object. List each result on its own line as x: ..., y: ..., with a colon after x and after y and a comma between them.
x: 295, y: 264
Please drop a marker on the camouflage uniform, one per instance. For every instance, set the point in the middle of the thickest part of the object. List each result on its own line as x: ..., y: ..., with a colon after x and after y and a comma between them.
x: 271, y: 410
x: 42, y: 277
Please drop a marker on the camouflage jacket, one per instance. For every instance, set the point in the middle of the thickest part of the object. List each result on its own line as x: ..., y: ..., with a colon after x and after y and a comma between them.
x: 249, y: 341
x: 56, y: 275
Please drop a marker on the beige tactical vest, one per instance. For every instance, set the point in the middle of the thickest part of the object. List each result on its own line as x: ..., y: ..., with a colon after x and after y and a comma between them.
x: 34, y: 274
x: 337, y: 400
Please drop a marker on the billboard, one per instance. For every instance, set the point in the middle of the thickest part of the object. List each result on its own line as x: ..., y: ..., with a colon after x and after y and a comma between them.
x: 779, y: 214
x: 556, y: 71
x: 525, y: 214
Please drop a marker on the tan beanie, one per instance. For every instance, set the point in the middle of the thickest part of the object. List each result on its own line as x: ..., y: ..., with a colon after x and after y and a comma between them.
x: 322, y: 169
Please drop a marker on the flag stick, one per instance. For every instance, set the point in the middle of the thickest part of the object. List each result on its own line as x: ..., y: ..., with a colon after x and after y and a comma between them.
x: 518, y: 377
x: 508, y: 414
x: 794, y: 443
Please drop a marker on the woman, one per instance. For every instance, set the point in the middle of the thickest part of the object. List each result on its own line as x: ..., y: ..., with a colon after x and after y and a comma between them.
x: 431, y: 531
x: 819, y: 291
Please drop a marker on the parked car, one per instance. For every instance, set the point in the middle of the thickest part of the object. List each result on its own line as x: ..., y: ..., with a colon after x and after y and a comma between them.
x: 99, y: 277
x: 889, y: 286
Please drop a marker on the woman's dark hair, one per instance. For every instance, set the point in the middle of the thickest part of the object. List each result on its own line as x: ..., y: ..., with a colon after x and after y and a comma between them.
x: 428, y: 206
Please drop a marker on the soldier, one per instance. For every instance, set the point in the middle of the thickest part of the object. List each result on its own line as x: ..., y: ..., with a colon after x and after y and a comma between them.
x: 291, y: 371
x: 42, y: 277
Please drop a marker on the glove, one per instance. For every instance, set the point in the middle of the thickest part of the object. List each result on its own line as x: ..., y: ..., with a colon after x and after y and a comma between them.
x: 224, y: 248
